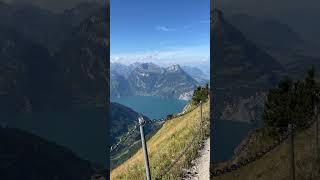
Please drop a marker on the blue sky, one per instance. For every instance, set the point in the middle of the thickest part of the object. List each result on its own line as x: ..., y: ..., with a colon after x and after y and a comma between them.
x: 160, y: 31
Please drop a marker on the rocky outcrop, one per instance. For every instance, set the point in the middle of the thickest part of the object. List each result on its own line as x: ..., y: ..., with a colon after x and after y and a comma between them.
x: 245, y: 109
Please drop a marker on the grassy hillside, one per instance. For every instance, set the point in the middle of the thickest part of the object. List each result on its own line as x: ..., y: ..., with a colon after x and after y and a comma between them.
x: 122, y: 120
x: 274, y: 165
x: 166, y: 145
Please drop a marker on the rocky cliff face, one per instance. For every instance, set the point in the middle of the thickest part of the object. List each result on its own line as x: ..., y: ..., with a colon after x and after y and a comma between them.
x: 143, y: 78
x: 247, y: 110
x: 242, y: 72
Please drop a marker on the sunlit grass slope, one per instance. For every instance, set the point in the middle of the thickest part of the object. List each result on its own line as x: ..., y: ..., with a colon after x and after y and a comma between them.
x: 165, y: 146
x: 274, y: 165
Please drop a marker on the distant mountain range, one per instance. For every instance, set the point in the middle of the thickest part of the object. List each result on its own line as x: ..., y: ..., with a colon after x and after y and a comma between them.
x: 148, y: 79
x: 198, y: 74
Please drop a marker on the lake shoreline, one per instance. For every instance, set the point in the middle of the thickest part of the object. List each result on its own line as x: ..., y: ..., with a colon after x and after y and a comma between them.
x: 154, y: 107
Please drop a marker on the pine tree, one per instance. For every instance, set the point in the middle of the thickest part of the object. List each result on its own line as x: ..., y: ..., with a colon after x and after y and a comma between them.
x: 200, y: 94
x: 291, y: 102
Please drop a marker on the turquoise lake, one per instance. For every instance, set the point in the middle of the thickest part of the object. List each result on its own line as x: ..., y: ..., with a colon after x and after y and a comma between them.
x: 83, y: 130
x: 226, y: 136
x: 153, y: 107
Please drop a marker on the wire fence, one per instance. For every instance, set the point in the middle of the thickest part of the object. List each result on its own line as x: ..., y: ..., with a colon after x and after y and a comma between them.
x: 174, y: 162
x: 122, y: 140
x: 188, y: 147
x: 249, y: 160
x: 153, y: 121
x: 198, y: 134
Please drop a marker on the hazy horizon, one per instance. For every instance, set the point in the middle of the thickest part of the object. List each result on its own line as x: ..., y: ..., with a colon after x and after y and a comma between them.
x: 201, y: 66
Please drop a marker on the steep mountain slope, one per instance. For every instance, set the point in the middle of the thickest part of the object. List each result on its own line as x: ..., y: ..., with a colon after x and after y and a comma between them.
x: 268, y: 33
x: 122, y: 120
x: 119, y: 85
x: 166, y: 145
x: 280, y: 40
x: 36, y: 158
x: 175, y: 82
x: 299, y: 64
x: 11, y: 70
x: 43, y: 26
x: 197, y: 74
x: 51, y: 73
x: 22, y: 80
x: 121, y: 69
x: 83, y: 56
x: 34, y: 24
x: 144, y: 77
x: 74, y: 16
x: 43, y: 82
x: 241, y: 70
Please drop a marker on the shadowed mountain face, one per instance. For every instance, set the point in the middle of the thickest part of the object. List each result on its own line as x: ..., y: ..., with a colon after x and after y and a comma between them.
x: 56, y: 6
x: 238, y: 57
x: 50, y: 65
x: 83, y: 58
x: 300, y: 15
x: 242, y: 71
x: 28, y: 74
x: 36, y: 158
x: 268, y: 33
x: 123, y: 119
x: 52, y: 60
x: 281, y: 41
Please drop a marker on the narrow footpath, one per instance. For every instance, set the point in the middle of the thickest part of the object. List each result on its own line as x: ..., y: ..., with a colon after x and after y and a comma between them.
x: 200, y: 168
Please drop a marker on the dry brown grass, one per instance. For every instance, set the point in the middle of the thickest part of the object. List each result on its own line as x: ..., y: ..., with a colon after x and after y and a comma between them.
x: 275, y: 164
x: 165, y: 146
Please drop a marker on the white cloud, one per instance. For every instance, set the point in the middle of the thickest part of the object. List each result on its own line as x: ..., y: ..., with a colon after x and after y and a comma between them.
x: 114, y: 59
x: 183, y: 56
x: 165, y: 29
